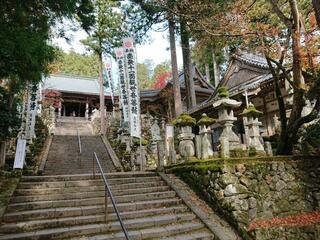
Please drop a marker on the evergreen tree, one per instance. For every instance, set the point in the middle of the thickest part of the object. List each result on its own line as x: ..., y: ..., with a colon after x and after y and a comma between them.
x: 104, y: 36
x: 25, y: 51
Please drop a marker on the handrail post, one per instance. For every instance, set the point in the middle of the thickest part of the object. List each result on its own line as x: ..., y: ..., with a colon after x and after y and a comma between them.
x: 106, y: 204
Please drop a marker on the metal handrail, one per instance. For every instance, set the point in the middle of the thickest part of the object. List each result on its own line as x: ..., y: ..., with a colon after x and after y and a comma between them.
x: 79, y: 142
x: 80, y: 148
x: 108, y: 192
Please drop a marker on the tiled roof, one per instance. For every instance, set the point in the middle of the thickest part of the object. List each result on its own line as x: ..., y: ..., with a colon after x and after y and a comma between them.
x: 73, y: 84
x: 252, y: 59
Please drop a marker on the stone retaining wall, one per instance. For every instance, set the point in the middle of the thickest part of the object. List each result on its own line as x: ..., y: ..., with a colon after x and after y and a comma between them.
x: 245, y: 191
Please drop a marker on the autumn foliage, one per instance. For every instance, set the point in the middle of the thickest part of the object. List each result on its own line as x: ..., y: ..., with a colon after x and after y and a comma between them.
x: 161, y: 80
x: 300, y: 220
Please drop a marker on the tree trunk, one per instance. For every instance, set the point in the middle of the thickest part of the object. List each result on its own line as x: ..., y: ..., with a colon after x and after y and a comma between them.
x: 174, y: 66
x: 298, y: 101
x: 102, y: 107
x: 2, y: 153
x: 316, y: 7
x: 282, y: 141
x: 216, y: 69
x: 187, y: 67
x: 289, y: 136
x: 207, y: 72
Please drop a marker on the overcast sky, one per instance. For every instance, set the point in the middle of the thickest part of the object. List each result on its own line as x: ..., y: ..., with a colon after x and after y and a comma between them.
x: 158, y: 50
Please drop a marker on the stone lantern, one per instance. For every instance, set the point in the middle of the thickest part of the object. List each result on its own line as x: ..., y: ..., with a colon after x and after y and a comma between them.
x: 186, y: 145
x: 253, y: 125
x: 226, y: 118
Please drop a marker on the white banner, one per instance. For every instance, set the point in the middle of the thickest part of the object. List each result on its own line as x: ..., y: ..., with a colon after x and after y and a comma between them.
x: 31, y: 111
x: 122, y: 81
x: 109, y: 78
x: 133, y: 87
x: 20, y: 154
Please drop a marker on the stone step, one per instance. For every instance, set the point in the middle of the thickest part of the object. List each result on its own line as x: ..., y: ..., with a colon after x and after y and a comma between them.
x: 56, y: 212
x: 89, y: 201
x: 81, y: 193
x: 194, y: 235
x: 86, y: 183
x: 81, y: 186
x: 80, y: 230
x: 80, y: 220
x: 149, y: 233
x: 55, y: 178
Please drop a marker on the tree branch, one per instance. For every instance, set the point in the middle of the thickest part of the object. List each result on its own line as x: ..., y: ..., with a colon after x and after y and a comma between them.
x: 308, y: 118
x: 280, y: 14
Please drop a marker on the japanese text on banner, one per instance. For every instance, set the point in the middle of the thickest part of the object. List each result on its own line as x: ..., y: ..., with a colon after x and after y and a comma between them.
x: 122, y: 81
x: 109, y: 78
x: 133, y: 87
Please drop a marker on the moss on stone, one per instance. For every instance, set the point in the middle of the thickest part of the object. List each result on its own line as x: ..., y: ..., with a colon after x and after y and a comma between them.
x: 136, y: 141
x: 205, y: 120
x: 184, y: 120
x: 223, y: 92
x: 251, y: 111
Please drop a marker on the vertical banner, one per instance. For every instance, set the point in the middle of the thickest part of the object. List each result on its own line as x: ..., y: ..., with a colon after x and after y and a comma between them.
x: 133, y: 87
x: 31, y: 111
x: 109, y: 78
x: 122, y: 82
x: 20, y: 154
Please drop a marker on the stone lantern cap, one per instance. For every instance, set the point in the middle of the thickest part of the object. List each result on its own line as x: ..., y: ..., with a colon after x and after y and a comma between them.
x: 251, y: 111
x: 226, y: 103
x: 205, y: 120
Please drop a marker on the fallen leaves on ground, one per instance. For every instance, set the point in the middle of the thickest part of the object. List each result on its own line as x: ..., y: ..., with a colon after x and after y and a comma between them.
x: 300, y: 220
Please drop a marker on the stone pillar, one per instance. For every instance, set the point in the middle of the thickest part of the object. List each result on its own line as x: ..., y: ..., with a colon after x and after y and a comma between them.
x: 224, y: 148
x: 125, y: 138
x: 186, y: 146
x: 141, y: 157
x: 246, y: 130
x: 253, y: 126
x: 198, y: 146
x: 268, y: 149
x: 254, y: 133
x: 169, y: 142
x: 160, y: 155
x: 206, y: 143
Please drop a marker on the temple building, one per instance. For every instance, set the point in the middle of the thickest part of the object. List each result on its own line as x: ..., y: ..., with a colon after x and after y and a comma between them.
x: 248, y: 79
x: 160, y: 102
x: 79, y: 96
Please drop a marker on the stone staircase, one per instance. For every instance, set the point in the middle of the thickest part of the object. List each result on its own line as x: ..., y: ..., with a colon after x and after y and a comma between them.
x: 71, y: 126
x: 63, y: 157
x: 72, y: 207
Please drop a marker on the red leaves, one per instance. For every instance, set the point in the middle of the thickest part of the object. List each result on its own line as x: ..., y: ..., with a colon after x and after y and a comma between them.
x: 300, y: 220
x: 161, y: 80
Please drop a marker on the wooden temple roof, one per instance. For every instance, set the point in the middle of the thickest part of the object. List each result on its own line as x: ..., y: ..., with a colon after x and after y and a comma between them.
x: 201, y: 86
x: 246, y: 72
